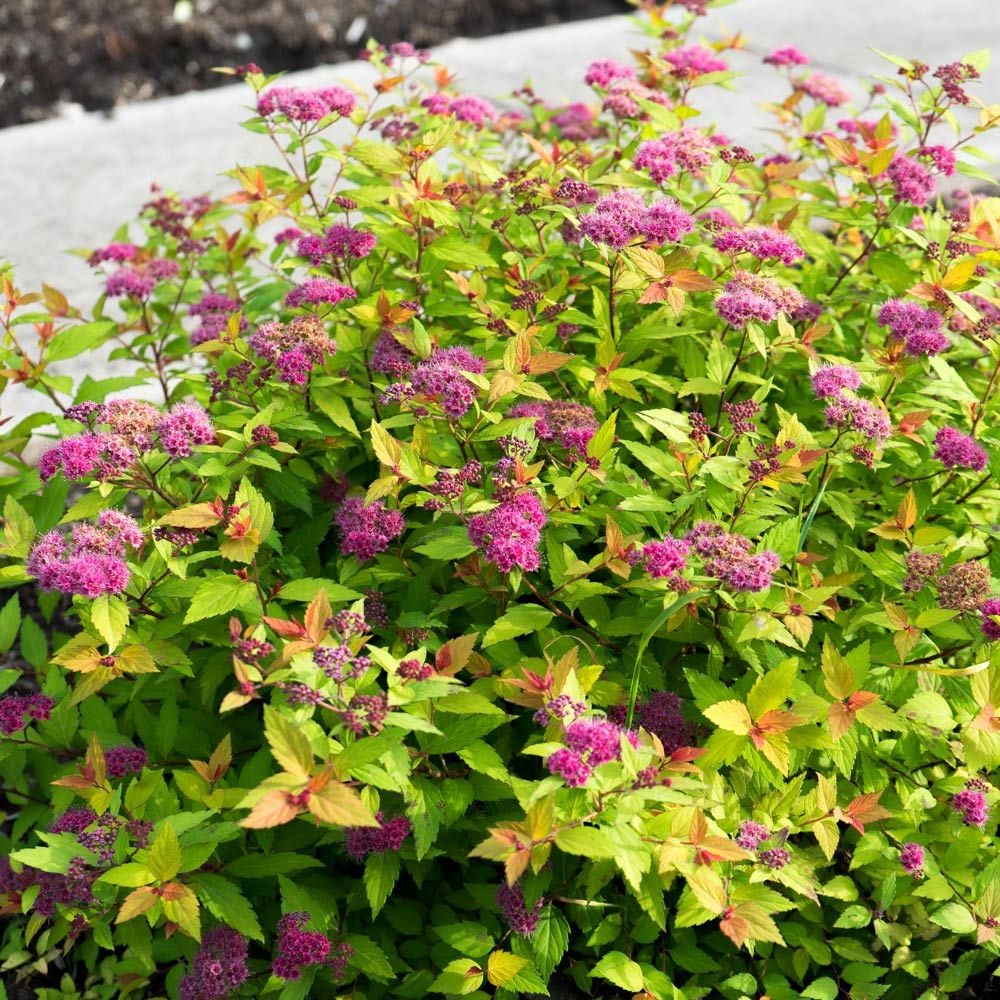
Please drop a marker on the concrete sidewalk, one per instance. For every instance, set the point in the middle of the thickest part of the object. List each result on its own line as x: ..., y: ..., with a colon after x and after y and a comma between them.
x: 70, y: 182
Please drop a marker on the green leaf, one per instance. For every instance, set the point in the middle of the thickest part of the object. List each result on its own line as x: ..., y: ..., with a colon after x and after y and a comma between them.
x: 381, y: 872
x: 587, y: 841
x: 956, y: 918
x: 18, y: 529
x: 519, y: 620
x: 110, y: 617
x: 550, y: 940
x: 483, y: 758
x: 470, y: 939
x: 459, y: 978
x: 446, y: 544
x: 225, y: 901
x: 131, y: 874
x: 270, y: 865
x: 333, y: 404
x: 218, y: 595
x: 370, y: 958
x: 619, y: 969
x: 307, y: 588
x: 164, y: 856
x: 76, y: 340
x: 454, y: 249
x: 10, y: 622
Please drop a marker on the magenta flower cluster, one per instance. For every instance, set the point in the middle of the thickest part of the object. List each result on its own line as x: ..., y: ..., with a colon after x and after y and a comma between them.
x: 665, y: 559
x: 824, y: 89
x: 661, y: 714
x: 91, y: 562
x: 294, y: 348
x: 622, y: 216
x: 847, y: 411
x: 296, y: 948
x: 727, y: 557
x: 219, y: 967
x: 442, y: 377
x: 751, y: 835
x: 184, y: 427
x: 787, y: 56
x: 360, y: 841
x: 831, y: 380
x: 339, y: 242
x: 603, y: 72
x: 318, y: 292
x: 139, y: 281
x: 515, y: 911
x: 367, y: 529
x: 919, y: 328
x: 749, y: 296
x: 214, y: 310
x: 301, y: 105
x: 686, y: 149
x: 509, y: 535
x: 465, y: 108
x: 589, y: 743
x: 990, y: 611
x: 570, y: 424
x: 762, y: 242
x: 956, y: 450
x: 911, y: 180
x: 124, y: 760
x: 694, y: 60
x: 970, y: 802
x: 911, y: 857
x: 18, y: 710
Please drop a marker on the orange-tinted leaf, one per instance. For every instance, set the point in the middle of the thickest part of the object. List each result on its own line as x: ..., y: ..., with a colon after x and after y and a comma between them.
x: 340, y: 805
x: 454, y: 654
x: 136, y: 903
x: 274, y: 809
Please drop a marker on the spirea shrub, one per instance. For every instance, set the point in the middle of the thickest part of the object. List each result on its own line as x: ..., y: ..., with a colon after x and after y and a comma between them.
x: 531, y: 548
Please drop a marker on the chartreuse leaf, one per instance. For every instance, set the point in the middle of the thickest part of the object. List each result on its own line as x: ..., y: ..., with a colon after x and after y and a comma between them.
x: 519, y: 620
x: 619, y: 969
x: 218, y: 595
x: 381, y: 872
x: 164, y: 856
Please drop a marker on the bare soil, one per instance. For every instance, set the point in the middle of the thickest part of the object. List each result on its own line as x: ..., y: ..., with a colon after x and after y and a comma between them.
x: 103, y: 53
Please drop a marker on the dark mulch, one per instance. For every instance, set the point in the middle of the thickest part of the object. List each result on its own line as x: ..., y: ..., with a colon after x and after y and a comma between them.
x: 102, y: 53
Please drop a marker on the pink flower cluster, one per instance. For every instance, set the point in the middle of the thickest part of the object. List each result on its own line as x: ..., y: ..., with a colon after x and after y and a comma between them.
x: 83, y: 456
x: 219, y: 967
x: 441, y: 376
x: 958, y: 451
x: 971, y: 803
x: 622, y: 216
x: 361, y: 841
x: 603, y: 72
x: 91, y: 562
x: 138, y: 281
x: 623, y: 96
x: 510, y: 534
x: 17, y: 709
x: 296, y: 948
x: 300, y: 105
x: 727, y: 557
x: 124, y: 760
x: 118, y: 253
x: 293, y: 348
x: 846, y: 410
x: 214, y: 308
x: 911, y: 180
x: 466, y: 108
x: 317, y: 292
x: 390, y: 357
x: 831, y: 380
x: 570, y: 424
x: 751, y: 835
x: 788, y: 56
x: 664, y: 560
x: 515, y: 911
x: 662, y: 716
x: 918, y: 327
x: 942, y: 157
x: 185, y: 426
x: 694, y: 60
x: 824, y: 89
x: 763, y: 242
x: 748, y: 296
x: 589, y: 743
x: 365, y: 531
x: 686, y: 149
x: 911, y: 857
x: 991, y: 611
x: 577, y: 122
x: 339, y: 242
